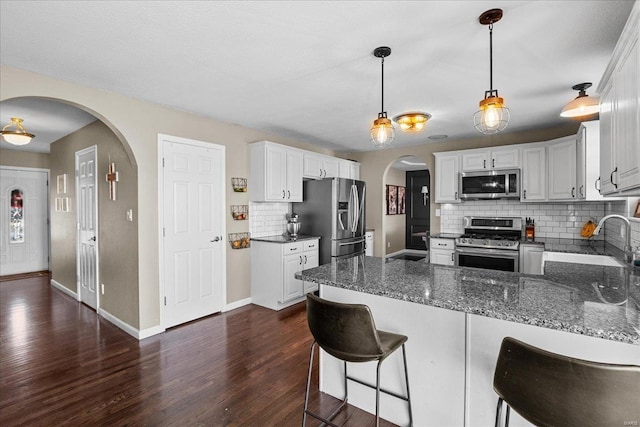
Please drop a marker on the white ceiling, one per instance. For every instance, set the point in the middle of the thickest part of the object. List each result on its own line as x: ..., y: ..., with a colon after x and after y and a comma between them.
x: 305, y: 69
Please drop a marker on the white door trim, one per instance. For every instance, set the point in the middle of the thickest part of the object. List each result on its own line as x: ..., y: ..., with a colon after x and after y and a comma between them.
x: 77, y: 154
x: 161, y: 287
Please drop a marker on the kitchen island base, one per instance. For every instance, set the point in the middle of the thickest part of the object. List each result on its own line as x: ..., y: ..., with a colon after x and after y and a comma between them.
x: 451, y: 358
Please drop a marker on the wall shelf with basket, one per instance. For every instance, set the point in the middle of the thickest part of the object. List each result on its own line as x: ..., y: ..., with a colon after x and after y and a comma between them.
x: 239, y: 240
x: 240, y: 212
x: 239, y: 185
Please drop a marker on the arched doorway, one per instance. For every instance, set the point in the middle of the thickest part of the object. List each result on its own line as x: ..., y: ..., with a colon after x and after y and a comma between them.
x: 405, y: 228
x: 61, y: 130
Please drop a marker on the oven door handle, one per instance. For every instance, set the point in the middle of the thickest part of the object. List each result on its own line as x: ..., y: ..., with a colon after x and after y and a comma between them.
x: 492, y: 253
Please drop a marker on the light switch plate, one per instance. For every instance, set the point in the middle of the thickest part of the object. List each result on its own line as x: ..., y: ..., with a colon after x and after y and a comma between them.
x: 437, y: 212
x: 130, y: 215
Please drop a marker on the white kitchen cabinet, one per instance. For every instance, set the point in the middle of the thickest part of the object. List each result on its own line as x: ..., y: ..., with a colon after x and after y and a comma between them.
x: 588, y: 166
x: 348, y: 169
x: 534, y: 173
x: 620, y: 114
x: 562, y: 169
x: 446, y: 179
x: 273, y: 269
x: 318, y: 166
x: 442, y: 251
x: 531, y: 258
x: 494, y: 158
x: 276, y: 173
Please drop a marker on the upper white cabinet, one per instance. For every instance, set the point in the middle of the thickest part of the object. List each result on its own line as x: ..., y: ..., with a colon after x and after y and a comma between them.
x: 562, y: 169
x: 494, y: 158
x: 588, y: 161
x: 349, y: 169
x: 620, y: 114
x: 318, y: 166
x: 276, y: 173
x: 534, y: 173
x: 446, y: 179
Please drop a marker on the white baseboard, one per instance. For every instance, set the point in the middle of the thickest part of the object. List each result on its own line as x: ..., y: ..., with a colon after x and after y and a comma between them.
x: 236, y: 304
x: 149, y: 332
x: 134, y: 332
x: 64, y: 289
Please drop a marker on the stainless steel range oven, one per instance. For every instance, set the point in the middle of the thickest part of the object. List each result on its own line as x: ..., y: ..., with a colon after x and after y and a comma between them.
x: 491, y: 243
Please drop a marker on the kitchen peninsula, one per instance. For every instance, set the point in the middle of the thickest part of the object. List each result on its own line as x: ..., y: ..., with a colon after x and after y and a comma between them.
x: 456, y: 318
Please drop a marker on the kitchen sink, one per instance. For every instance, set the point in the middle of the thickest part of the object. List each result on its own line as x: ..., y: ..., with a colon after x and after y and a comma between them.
x: 603, y: 260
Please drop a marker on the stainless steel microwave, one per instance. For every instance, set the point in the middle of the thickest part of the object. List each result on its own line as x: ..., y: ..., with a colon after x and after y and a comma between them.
x: 492, y: 184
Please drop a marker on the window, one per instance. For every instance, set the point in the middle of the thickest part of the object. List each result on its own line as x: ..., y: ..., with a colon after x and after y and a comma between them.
x: 16, y: 234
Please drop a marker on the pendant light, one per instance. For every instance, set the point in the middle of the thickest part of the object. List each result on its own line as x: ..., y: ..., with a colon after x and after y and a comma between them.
x: 18, y: 136
x: 583, y: 105
x: 412, y: 122
x: 493, y: 116
x: 382, y: 132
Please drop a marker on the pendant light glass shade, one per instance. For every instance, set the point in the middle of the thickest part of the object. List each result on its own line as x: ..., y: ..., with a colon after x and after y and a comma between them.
x: 493, y: 116
x: 17, y: 136
x: 382, y: 131
x: 412, y: 122
x: 583, y: 105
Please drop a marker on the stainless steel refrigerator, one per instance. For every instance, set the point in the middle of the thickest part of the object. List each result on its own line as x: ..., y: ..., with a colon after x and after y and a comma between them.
x: 333, y: 208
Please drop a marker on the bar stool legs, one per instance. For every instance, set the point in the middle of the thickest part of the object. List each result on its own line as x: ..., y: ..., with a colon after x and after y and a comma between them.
x: 377, y: 387
x: 499, y: 413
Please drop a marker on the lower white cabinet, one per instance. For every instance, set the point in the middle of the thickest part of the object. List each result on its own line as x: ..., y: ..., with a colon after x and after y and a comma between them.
x: 531, y: 258
x: 442, y: 251
x: 273, y: 269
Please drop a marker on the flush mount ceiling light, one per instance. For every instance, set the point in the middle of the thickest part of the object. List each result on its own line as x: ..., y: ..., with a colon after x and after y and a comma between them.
x: 382, y: 132
x: 412, y: 122
x: 493, y: 116
x: 17, y: 136
x: 583, y: 105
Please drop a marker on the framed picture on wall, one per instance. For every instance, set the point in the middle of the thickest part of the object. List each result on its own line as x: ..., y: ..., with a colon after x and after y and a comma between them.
x: 392, y: 200
x: 401, y: 199
x: 636, y: 212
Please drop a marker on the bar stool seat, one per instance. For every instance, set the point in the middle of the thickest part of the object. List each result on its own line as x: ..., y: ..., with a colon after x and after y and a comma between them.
x: 348, y: 333
x: 549, y: 389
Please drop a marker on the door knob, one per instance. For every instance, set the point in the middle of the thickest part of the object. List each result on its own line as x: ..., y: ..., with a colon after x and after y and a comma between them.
x: 216, y: 239
x: 93, y: 239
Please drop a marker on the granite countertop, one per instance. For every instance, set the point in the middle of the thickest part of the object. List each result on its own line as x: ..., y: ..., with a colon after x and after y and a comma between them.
x: 281, y: 238
x: 597, y: 301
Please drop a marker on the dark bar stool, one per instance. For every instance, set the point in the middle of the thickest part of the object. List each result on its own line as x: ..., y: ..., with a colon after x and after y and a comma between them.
x: 549, y: 389
x: 348, y: 332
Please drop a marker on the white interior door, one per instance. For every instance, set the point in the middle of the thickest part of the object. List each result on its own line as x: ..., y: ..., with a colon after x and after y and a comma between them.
x: 194, y: 241
x: 87, y: 247
x: 24, y: 230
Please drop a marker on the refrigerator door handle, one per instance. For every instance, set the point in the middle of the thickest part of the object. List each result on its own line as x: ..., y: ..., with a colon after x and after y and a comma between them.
x: 356, y: 208
x: 355, y: 242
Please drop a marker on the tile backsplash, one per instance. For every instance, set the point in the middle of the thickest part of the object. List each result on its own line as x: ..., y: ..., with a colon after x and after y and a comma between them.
x: 268, y: 219
x: 560, y: 220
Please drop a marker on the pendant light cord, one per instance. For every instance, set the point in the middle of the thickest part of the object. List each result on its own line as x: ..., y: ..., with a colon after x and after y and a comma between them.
x: 382, y: 103
x: 491, y: 57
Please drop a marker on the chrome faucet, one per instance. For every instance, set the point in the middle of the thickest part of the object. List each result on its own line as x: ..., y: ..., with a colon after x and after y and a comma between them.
x: 628, y: 252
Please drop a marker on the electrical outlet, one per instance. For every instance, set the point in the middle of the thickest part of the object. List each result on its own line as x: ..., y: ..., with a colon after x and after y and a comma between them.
x: 102, y: 288
x: 437, y: 212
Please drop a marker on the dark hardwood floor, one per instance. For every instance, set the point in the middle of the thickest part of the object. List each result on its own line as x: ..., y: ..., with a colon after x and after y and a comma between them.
x: 61, y: 364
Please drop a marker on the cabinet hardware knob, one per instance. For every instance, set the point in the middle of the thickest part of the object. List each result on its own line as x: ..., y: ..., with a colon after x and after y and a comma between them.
x: 611, y: 177
x: 283, y: 194
x: 300, y: 259
x: 484, y: 164
x: 451, y: 256
x: 573, y: 192
x: 596, y: 184
x: 288, y: 194
x: 456, y: 195
x: 582, y: 191
x: 524, y: 194
x: 305, y: 259
x: 493, y: 163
